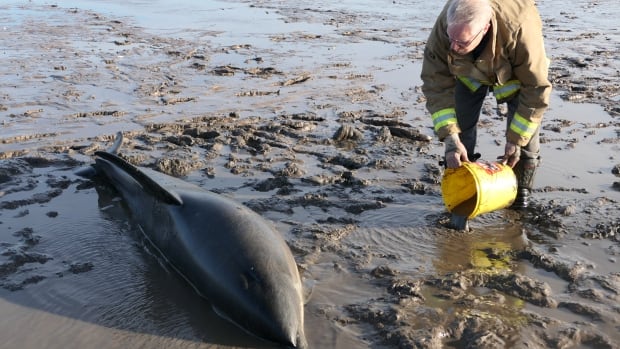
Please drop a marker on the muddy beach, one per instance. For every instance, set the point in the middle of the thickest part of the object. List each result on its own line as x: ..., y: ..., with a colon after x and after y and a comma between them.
x: 312, y: 116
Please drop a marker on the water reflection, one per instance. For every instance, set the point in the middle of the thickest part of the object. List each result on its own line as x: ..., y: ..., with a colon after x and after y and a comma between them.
x: 487, y: 247
x: 467, y: 262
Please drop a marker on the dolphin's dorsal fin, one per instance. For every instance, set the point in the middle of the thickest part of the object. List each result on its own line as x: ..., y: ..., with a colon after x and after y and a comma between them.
x: 147, y: 182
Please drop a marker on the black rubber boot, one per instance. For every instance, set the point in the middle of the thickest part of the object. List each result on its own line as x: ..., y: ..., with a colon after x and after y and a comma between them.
x: 522, y: 200
x: 524, y: 170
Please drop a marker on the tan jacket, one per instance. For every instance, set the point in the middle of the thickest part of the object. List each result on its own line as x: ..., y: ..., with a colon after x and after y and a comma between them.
x: 514, y: 56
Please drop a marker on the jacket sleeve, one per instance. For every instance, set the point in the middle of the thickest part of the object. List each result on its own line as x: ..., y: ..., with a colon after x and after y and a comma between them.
x: 437, y: 81
x: 530, y: 67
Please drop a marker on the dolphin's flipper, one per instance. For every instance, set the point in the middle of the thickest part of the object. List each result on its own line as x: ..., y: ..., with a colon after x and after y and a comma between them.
x: 147, y: 182
x: 87, y: 171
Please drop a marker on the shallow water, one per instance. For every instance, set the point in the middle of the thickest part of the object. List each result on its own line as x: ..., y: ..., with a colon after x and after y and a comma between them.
x: 79, y: 70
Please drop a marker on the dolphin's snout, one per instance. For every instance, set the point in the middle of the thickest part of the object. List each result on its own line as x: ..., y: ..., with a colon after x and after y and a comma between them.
x: 300, y: 341
x: 295, y: 338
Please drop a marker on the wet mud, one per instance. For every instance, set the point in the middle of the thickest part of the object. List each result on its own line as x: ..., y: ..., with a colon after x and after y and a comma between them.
x: 332, y: 146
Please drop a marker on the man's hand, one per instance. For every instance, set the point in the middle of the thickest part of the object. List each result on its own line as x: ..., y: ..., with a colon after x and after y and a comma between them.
x: 456, y: 153
x: 512, y: 154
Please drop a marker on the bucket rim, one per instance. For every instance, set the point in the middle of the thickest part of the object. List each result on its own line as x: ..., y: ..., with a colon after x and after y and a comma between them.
x: 470, y: 169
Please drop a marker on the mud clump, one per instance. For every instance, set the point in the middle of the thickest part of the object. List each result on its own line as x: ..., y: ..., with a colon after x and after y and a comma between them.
x: 27, y: 236
x: 12, y: 169
x: 178, y: 166
x: 39, y: 198
x: 348, y: 132
x: 78, y: 268
x: 15, y: 257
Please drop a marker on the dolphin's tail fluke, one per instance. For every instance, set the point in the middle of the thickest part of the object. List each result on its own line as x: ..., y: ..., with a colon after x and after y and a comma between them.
x: 91, y: 171
x: 117, y: 143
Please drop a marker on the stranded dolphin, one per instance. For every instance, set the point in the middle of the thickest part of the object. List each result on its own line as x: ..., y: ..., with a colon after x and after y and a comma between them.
x: 227, y: 252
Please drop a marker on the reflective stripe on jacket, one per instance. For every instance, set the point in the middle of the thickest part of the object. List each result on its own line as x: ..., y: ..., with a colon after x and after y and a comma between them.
x: 443, y: 118
x: 513, y: 61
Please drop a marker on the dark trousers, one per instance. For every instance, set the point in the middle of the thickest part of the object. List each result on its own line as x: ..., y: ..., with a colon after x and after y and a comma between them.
x: 468, y: 106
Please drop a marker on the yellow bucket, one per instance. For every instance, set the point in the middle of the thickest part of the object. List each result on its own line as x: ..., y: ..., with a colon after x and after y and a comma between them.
x: 478, y: 187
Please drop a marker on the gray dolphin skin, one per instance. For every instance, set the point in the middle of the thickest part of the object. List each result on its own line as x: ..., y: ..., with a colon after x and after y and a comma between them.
x: 227, y: 252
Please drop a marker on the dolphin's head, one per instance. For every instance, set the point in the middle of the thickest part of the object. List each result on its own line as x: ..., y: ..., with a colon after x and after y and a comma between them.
x: 247, y: 269
x: 281, y: 314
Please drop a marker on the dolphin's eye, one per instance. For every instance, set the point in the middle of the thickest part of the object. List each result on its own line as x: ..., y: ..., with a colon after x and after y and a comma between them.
x: 250, y: 278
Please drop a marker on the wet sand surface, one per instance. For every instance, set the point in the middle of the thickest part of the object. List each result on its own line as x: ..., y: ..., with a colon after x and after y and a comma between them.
x: 312, y: 115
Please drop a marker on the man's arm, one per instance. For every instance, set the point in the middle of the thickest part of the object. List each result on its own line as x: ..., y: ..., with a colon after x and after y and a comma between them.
x: 530, y: 67
x: 438, y: 82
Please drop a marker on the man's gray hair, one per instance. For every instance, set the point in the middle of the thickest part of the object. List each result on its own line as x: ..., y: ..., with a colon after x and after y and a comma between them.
x: 468, y: 12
